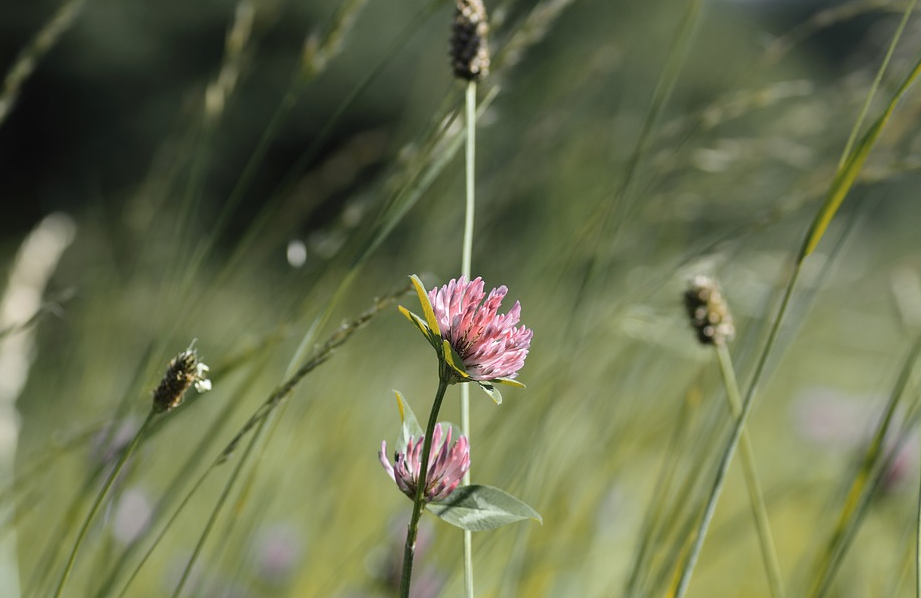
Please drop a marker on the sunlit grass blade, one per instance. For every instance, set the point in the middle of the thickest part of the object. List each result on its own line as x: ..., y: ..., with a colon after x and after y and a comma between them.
x: 194, y: 458
x: 318, y: 52
x: 759, y: 507
x: 440, y: 150
x: 31, y: 55
x: 97, y: 503
x: 862, y: 485
x: 617, y: 208
x: 265, y: 219
x: 258, y: 421
x: 853, y: 160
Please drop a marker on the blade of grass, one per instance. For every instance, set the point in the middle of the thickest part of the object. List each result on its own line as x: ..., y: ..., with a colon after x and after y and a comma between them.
x: 618, y: 207
x: 258, y: 421
x: 32, y: 54
x: 853, y: 159
x: 749, y: 470
x: 195, y: 456
x: 862, y: 486
x: 263, y: 219
x: 100, y: 496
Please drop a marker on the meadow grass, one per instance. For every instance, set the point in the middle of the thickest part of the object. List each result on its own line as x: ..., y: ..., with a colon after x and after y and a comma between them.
x: 621, y: 149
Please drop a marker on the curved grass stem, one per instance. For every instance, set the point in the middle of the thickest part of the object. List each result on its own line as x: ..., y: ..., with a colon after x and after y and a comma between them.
x: 684, y: 579
x: 759, y: 508
x: 100, y: 497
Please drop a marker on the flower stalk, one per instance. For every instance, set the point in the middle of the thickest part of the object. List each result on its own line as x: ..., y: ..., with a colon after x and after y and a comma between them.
x: 712, y: 321
x: 466, y: 260
x: 100, y: 497
x: 418, y: 502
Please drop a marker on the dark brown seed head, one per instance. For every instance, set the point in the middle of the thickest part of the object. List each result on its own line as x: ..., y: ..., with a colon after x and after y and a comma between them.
x: 708, y: 311
x: 183, y: 371
x: 469, y: 49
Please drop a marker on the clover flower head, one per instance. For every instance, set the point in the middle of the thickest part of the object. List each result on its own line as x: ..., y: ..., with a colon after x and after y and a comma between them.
x: 487, y: 342
x: 447, y: 465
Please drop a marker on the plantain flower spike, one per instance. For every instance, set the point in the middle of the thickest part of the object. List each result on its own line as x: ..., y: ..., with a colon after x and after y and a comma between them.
x: 469, y: 48
x: 708, y: 311
x: 184, y: 370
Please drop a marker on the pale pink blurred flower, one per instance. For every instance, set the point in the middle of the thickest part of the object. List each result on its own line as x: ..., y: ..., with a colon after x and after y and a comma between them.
x: 447, y: 465
x: 487, y: 342
x: 278, y: 550
x: 132, y: 516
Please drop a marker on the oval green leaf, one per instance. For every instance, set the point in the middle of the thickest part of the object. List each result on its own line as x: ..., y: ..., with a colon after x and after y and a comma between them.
x: 479, y: 508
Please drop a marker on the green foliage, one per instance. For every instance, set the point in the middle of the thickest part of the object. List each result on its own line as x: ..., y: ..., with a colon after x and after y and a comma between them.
x: 622, y: 147
x: 481, y: 508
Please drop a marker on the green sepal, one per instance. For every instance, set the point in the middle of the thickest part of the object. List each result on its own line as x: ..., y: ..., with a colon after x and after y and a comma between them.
x: 426, y: 306
x: 409, y: 424
x: 509, y: 382
x: 454, y: 361
x: 479, y: 508
x: 491, y: 390
x: 435, y: 341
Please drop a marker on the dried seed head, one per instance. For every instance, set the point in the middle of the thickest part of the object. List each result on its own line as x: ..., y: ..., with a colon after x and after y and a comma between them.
x: 183, y: 371
x: 469, y: 50
x: 708, y: 311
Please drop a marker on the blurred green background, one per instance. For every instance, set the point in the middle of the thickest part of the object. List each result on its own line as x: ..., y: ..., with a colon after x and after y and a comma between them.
x: 255, y: 191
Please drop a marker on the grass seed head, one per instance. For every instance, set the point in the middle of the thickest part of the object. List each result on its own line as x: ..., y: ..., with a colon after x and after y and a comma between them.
x: 184, y: 371
x: 469, y: 49
x: 708, y: 311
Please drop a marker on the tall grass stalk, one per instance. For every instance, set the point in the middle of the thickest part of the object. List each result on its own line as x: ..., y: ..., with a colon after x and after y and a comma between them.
x: 917, y: 547
x: 759, y: 509
x: 215, y: 512
x: 40, y: 45
x: 838, y: 190
x: 863, y: 485
x: 100, y: 497
x: 684, y: 578
x: 466, y: 259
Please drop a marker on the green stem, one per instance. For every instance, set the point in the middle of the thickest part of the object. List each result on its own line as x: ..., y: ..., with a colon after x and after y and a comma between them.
x: 918, y: 551
x: 81, y: 535
x: 410, y: 549
x: 218, y: 507
x: 471, y: 195
x: 759, y: 508
x: 729, y: 451
x: 466, y: 259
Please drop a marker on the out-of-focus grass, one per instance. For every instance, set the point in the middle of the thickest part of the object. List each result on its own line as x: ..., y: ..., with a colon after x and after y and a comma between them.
x: 615, y: 440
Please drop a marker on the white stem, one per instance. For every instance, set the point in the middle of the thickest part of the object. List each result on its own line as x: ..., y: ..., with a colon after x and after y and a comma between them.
x: 466, y: 258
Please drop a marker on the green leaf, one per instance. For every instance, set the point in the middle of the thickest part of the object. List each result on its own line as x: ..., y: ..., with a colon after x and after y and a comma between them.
x: 480, y: 508
x: 410, y: 425
x: 492, y: 391
x: 426, y: 305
